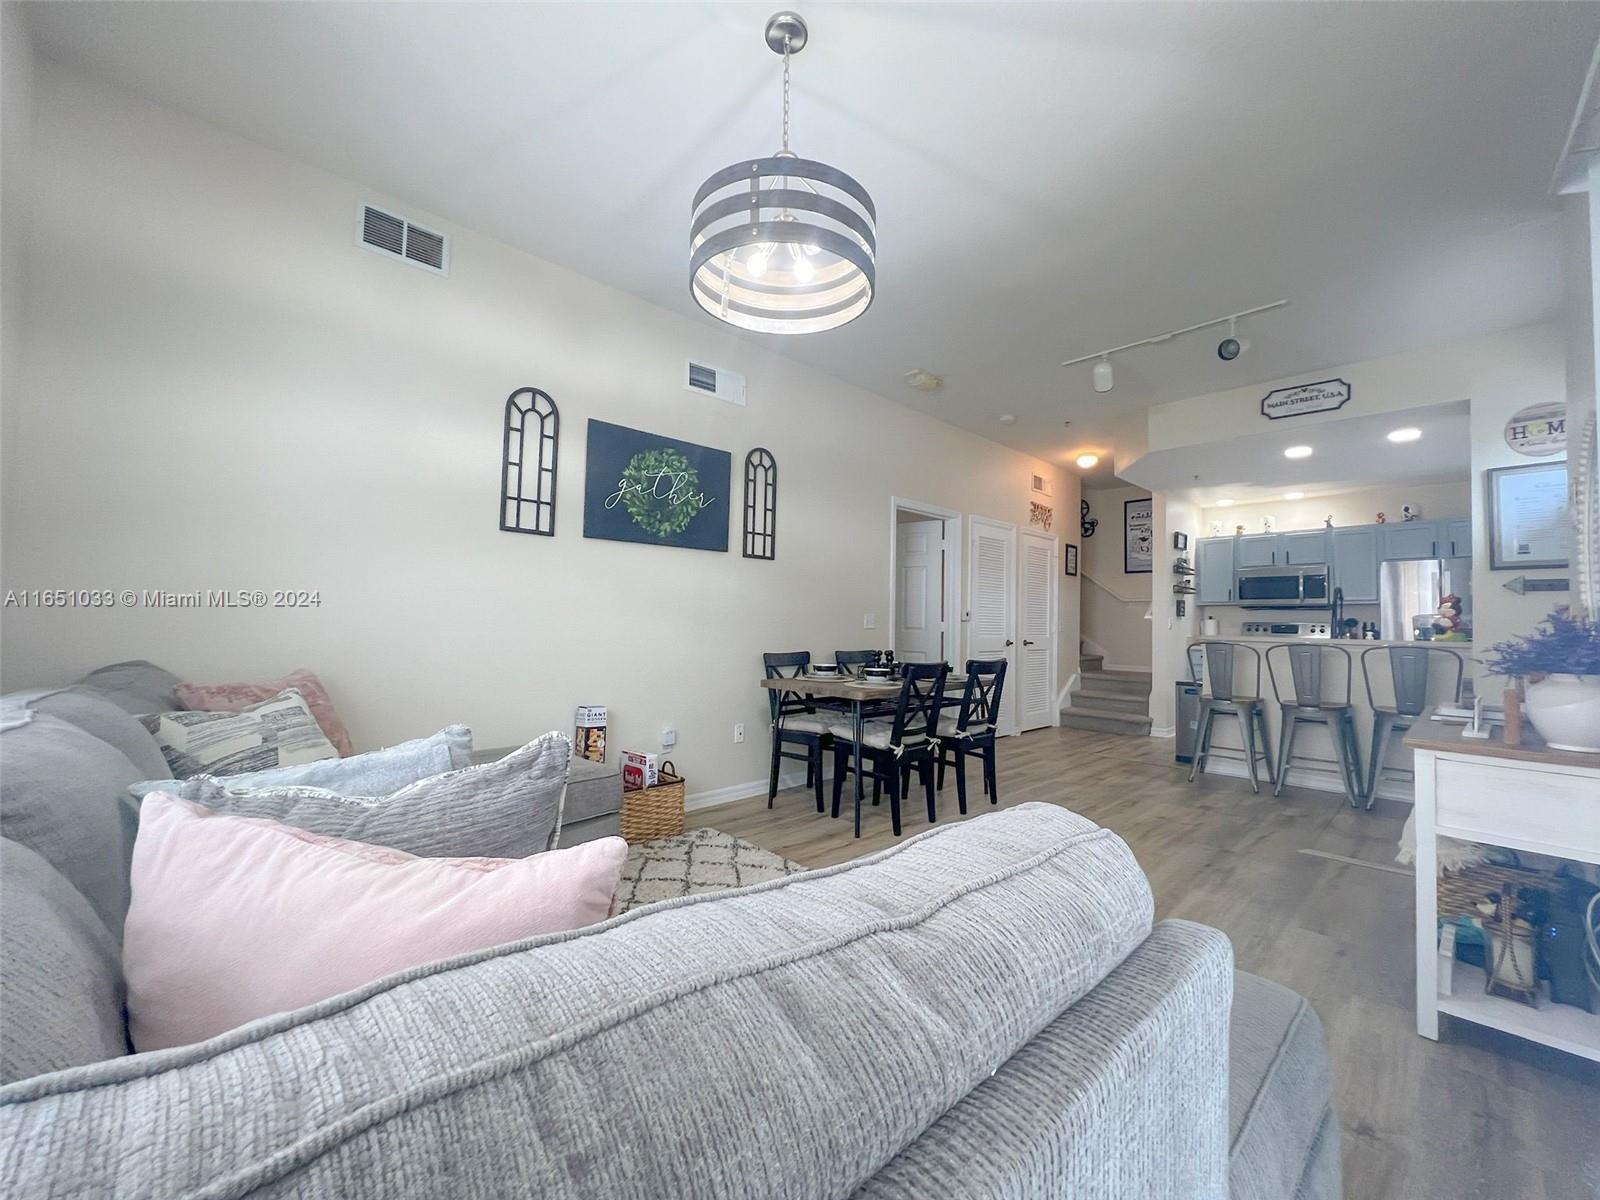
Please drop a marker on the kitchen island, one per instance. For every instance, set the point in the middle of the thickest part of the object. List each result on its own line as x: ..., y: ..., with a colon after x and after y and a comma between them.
x: 1316, y: 766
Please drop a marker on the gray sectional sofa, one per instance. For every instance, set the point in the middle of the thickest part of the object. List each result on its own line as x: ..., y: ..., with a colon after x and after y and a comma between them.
x: 987, y: 1009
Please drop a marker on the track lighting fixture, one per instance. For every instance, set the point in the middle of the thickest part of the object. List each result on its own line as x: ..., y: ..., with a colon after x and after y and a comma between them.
x: 1103, y: 380
x: 1227, y: 350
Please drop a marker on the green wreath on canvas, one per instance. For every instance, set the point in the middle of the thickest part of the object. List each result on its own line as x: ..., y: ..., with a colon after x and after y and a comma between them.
x: 660, y: 516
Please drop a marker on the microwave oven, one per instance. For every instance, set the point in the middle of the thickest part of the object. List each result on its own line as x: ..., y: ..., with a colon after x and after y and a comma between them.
x: 1285, y: 587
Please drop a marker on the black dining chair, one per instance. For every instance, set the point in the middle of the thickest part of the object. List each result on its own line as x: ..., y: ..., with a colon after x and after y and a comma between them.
x: 970, y: 729
x: 850, y: 662
x: 894, y: 746
x: 795, y: 721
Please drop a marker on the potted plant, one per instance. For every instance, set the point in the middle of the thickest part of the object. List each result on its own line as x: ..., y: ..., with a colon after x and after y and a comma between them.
x: 1560, y: 661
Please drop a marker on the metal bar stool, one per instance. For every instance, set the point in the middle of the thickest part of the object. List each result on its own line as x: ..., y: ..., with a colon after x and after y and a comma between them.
x: 1310, y: 703
x: 1411, y: 672
x: 1222, y: 660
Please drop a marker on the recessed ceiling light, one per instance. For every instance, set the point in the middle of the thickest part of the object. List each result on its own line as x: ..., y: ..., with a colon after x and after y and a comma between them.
x: 1294, y: 495
x: 1088, y: 460
x: 1007, y: 419
x: 1224, y: 503
x: 1409, y: 434
x: 1297, y: 452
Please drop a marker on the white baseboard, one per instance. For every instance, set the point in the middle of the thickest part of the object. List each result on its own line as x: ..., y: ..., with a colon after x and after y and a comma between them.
x: 742, y: 791
x: 1064, y: 699
x: 1165, y: 731
x: 1315, y: 778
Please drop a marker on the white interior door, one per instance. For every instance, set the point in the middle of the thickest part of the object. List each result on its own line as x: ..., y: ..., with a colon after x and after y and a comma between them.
x: 919, y: 591
x: 993, y: 609
x: 1036, y: 621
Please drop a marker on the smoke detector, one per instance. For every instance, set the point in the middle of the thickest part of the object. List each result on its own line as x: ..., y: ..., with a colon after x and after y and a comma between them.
x: 923, y: 381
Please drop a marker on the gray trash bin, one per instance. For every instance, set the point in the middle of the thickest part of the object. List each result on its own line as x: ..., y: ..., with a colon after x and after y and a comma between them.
x: 1186, y: 705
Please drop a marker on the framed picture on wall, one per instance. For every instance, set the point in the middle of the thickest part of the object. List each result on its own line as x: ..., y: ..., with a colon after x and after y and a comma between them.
x: 1528, y: 525
x: 1138, y: 536
x: 1180, y: 541
x: 1070, y: 557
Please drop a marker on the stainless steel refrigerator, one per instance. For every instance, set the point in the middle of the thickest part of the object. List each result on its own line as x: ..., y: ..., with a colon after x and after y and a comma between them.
x: 1409, y: 593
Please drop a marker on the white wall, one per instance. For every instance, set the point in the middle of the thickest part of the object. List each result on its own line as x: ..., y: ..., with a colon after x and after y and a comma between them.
x: 1170, y: 634
x: 222, y: 391
x: 16, y: 168
x: 1114, y: 602
x: 1357, y: 507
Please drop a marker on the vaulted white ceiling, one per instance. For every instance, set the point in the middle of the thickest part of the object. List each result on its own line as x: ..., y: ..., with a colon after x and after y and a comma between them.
x: 1051, y: 179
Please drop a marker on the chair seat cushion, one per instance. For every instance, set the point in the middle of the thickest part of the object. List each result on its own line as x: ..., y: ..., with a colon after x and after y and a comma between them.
x: 805, y: 723
x: 874, y: 733
x: 949, y: 728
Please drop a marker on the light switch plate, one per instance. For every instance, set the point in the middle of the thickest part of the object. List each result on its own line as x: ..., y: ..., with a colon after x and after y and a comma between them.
x: 869, y: 621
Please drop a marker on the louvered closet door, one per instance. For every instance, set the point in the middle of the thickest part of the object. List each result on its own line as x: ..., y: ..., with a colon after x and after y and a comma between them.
x: 1036, y: 656
x: 991, y: 602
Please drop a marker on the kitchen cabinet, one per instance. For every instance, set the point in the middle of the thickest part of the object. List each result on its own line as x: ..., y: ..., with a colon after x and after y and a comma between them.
x: 1214, y: 565
x: 1355, y: 560
x: 1411, y: 539
x: 1455, y: 538
x: 1257, y: 550
x: 1297, y: 549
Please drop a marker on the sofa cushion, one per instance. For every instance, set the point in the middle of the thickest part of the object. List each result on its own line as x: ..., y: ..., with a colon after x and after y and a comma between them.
x: 1283, y: 1132
x: 236, y: 697
x: 593, y: 790
x: 137, y: 687
x: 280, y: 732
x: 62, y: 795
x: 781, y: 1040
x: 235, y: 918
x: 60, y: 974
x: 93, y: 712
x: 506, y: 809
x: 375, y: 773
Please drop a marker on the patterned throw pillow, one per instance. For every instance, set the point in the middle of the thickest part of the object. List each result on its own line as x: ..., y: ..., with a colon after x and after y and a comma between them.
x: 505, y: 809
x: 236, y: 697
x: 278, y: 733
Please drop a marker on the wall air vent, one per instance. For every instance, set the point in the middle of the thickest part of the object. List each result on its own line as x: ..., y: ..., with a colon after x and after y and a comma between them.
x: 716, y: 381
x: 385, y: 233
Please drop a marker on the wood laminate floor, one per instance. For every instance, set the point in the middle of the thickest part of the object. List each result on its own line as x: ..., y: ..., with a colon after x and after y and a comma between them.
x: 1476, y: 1116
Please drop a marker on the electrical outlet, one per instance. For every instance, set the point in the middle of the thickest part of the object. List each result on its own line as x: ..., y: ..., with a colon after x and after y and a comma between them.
x: 869, y: 620
x: 738, y: 734
x: 669, y: 738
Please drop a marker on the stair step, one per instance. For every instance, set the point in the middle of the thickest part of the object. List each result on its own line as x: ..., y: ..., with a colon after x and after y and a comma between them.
x: 1124, y: 683
x: 1116, y: 701
x: 1091, y: 662
x: 1102, y: 720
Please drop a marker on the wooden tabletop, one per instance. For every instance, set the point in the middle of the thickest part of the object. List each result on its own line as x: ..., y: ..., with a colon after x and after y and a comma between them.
x: 1445, y: 738
x: 845, y: 687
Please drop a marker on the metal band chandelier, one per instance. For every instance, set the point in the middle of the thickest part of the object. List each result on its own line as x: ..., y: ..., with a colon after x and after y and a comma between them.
x: 783, y: 244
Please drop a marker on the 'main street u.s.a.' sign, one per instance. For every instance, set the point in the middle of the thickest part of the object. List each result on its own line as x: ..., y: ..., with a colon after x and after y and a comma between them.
x: 1322, y: 396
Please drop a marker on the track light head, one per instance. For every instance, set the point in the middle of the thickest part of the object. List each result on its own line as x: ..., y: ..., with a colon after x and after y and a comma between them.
x: 1103, y: 380
x: 1232, y: 346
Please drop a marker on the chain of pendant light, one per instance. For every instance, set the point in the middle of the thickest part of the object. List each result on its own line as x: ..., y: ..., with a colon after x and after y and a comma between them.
x: 786, y: 93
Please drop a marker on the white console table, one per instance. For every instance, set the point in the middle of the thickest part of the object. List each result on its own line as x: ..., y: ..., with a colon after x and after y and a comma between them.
x: 1525, y: 797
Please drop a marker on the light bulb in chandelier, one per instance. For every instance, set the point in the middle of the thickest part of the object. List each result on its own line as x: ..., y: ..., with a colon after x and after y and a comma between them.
x: 756, y: 264
x: 803, y: 270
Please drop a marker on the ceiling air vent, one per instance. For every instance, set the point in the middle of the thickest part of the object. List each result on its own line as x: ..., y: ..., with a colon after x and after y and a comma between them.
x: 716, y: 381
x: 386, y: 233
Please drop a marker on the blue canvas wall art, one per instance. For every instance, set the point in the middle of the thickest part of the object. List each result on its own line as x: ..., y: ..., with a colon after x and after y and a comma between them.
x: 642, y: 487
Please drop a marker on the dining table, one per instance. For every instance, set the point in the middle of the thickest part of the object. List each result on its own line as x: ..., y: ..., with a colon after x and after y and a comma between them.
x: 858, y: 692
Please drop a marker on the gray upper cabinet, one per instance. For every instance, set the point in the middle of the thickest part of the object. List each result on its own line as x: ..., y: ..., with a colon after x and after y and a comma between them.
x: 1214, y: 564
x: 1410, y: 539
x: 1297, y: 549
x: 1455, y: 538
x: 1257, y: 550
x: 1355, y: 563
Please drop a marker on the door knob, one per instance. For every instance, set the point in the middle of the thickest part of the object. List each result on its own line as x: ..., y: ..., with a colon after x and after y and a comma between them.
x: 1026, y: 642
x: 1009, y: 642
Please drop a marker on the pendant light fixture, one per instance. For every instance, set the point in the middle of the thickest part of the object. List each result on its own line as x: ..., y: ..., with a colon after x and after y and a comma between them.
x: 783, y: 244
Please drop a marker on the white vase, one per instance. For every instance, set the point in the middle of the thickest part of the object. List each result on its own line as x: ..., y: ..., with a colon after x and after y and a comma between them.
x: 1565, y: 709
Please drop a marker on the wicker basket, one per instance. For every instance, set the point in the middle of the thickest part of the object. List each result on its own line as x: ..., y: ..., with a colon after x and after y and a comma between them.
x: 1460, y: 891
x: 654, y: 812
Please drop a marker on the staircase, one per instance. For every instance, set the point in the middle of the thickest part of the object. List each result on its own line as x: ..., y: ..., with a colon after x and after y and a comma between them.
x: 1109, y: 701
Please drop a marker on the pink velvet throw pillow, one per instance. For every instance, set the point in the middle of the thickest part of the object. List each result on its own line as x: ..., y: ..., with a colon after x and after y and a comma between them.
x: 236, y: 697
x: 235, y: 918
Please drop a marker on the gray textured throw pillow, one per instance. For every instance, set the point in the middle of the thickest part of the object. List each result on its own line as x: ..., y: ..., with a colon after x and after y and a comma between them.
x: 375, y: 773
x: 280, y: 732
x: 505, y: 809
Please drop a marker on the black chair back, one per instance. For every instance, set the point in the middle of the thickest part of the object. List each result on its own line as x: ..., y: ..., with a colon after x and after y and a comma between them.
x: 787, y: 665
x: 916, y: 713
x: 851, y: 661
x: 980, y: 701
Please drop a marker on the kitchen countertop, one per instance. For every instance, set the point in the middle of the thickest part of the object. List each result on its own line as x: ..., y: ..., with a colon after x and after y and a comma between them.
x: 1347, y: 643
